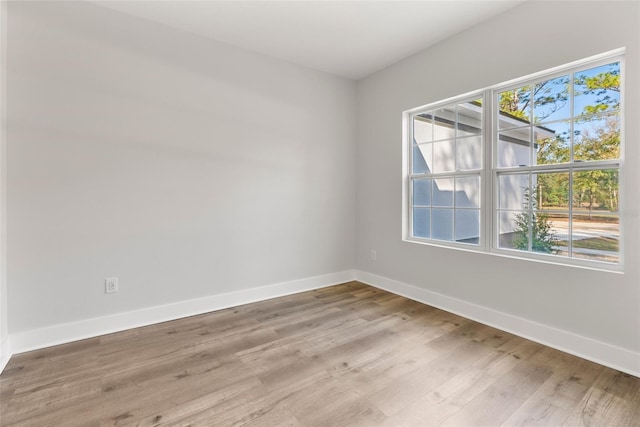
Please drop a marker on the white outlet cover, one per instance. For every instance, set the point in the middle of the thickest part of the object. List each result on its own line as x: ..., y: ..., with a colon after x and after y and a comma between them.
x: 111, y: 285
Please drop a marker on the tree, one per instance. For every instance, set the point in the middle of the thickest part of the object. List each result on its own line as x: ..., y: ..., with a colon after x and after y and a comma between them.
x: 603, y: 86
x: 596, y: 134
x: 545, y: 95
x: 543, y: 239
x: 599, y: 142
x: 598, y: 187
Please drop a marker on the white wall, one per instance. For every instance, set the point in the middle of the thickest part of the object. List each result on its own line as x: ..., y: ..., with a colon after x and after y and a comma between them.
x: 184, y: 167
x: 4, y: 331
x: 598, y: 306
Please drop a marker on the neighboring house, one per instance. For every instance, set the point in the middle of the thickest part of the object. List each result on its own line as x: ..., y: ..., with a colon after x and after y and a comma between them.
x: 438, y: 149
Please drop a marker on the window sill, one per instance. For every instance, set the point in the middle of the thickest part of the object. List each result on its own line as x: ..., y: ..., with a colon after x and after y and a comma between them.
x: 516, y: 255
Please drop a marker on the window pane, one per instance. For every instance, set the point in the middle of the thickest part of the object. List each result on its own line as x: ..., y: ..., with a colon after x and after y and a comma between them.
x: 515, y: 107
x: 421, y: 222
x: 421, y: 192
x: 512, y: 190
x: 469, y: 120
x: 596, y: 237
x: 444, y: 123
x: 513, y: 230
x: 468, y: 192
x: 467, y: 226
x: 595, y: 192
x: 551, y: 100
x: 469, y: 153
x: 552, y: 143
x: 559, y: 231
x: 442, y: 224
x: 543, y: 235
x: 422, y: 128
x: 597, y: 89
x: 514, y: 148
x: 596, y: 225
x: 443, y: 156
x: 443, y: 192
x: 551, y: 191
x: 422, y: 158
x: 597, y: 138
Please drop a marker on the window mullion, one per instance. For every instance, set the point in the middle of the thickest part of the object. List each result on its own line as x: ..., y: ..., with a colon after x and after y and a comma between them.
x: 487, y: 210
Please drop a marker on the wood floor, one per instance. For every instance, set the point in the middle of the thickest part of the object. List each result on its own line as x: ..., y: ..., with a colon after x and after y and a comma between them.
x: 345, y: 355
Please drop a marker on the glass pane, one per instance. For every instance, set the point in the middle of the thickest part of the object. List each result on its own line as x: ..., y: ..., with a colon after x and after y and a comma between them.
x: 421, y: 192
x: 597, y: 138
x: 443, y: 192
x: 513, y: 148
x: 512, y: 191
x: 595, y: 192
x: 543, y: 235
x: 551, y: 100
x: 444, y: 123
x: 513, y: 230
x: 422, y: 158
x: 421, y: 222
x: 422, y: 128
x: 596, y: 237
x: 443, y: 156
x: 468, y: 192
x: 551, y: 191
x: 558, y: 232
x: 597, y: 89
x: 515, y: 107
x: 552, y: 142
x: 467, y: 227
x: 442, y: 224
x: 469, y: 153
x: 469, y: 118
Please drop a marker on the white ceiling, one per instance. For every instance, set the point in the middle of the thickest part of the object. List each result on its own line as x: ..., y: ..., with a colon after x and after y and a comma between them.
x: 348, y: 38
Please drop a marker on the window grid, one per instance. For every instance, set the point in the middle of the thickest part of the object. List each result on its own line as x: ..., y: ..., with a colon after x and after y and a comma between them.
x: 572, y: 165
x: 568, y: 131
x: 443, y: 127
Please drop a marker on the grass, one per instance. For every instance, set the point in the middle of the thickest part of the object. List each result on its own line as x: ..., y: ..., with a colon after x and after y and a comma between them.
x: 598, y: 243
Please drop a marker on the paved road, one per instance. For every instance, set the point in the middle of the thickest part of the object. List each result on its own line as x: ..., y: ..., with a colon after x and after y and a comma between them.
x: 585, y: 229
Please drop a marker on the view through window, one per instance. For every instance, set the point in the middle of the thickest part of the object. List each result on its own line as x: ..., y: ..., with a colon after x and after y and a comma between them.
x: 555, y: 146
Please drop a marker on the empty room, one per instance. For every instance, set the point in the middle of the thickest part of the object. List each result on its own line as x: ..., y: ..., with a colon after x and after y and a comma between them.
x: 320, y: 213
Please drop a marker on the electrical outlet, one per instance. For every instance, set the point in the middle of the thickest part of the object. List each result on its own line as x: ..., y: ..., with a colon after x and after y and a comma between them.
x: 110, y: 285
x: 374, y: 255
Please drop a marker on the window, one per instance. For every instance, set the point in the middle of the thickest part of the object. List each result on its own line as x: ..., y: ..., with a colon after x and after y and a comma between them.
x: 446, y: 166
x: 528, y: 169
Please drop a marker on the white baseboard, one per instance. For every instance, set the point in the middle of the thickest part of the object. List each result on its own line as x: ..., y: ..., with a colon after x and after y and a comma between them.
x: 89, y: 328
x: 587, y: 348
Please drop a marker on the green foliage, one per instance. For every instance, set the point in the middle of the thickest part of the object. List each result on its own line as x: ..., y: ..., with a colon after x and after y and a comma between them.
x: 599, y: 143
x: 600, y: 85
x: 553, y: 189
x: 516, y: 102
x: 596, y: 189
x: 553, y: 150
x: 545, y: 95
x: 543, y: 239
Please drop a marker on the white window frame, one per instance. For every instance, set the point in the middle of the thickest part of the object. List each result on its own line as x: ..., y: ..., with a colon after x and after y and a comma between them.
x: 445, y: 175
x: 489, y: 209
